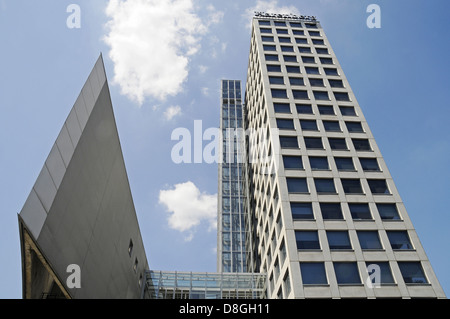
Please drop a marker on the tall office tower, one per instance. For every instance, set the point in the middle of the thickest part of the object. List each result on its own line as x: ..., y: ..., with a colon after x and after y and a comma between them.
x: 329, y: 220
x: 231, y: 254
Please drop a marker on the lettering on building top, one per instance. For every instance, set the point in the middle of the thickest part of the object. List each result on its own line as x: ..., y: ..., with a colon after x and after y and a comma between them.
x: 285, y: 16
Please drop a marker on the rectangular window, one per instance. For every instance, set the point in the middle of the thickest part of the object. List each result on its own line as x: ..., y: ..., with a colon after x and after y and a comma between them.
x: 296, y: 81
x: 347, y: 273
x: 280, y: 23
x: 316, y: 82
x: 302, y: 211
x: 298, y: 32
x: 285, y: 124
x: 347, y: 110
x: 308, y: 125
x: 296, y: 24
x: 336, y: 83
x: 352, y: 186
x: 292, y: 69
x: 369, y: 164
x: 378, y: 186
x: 130, y: 247
x: 385, y: 276
x: 322, y: 51
x: 265, y: 30
x: 341, y: 96
x: 324, y: 186
x: 360, y: 211
x: 361, y: 144
x: 314, y: 33
x: 412, y: 272
x: 271, y: 57
x: 267, y: 38
x: 282, y: 31
x: 264, y: 22
x: 321, y: 95
x: 288, y: 142
x: 300, y: 94
x: 344, y: 163
x: 290, y: 58
x: 312, y: 70
x: 337, y: 143
x: 326, y: 60
x: 267, y: 47
x: 326, y: 110
x: 332, y: 126
x: 311, y: 25
x: 284, y: 40
x: 297, y: 185
x: 304, y: 108
x: 313, y: 273
x: 388, y: 211
x: 286, y: 48
x: 273, y: 68
x: 307, y: 240
x: 354, y: 127
x: 369, y: 240
x: 331, y: 71
x: 399, y: 240
x: 301, y: 40
x: 338, y: 240
x: 276, y: 80
x: 282, y: 107
x: 308, y: 59
x: 313, y: 143
x: 331, y: 211
x: 279, y: 93
x: 318, y: 42
x: 318, y: 163
x: 304, y: 49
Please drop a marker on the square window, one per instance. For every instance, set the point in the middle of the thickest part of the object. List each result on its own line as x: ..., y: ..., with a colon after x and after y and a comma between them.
x: 360, y: 211
x: 302, y: 211
x: 276, y: 80
x: 308, y: 59
x: 326, y: 109
x: 273, y: 68
x: 321, y: 95
x: 313, y: 273
x: 307, y: 240
x: 313, y: 143
x: 296, y: 81
x: 399, y: 240
x: 271, y: 57
x: 308, y: 125
x: 288, y: 142
x: 337, y: 143
x: 316, y: 82
x: 347, y: 110
x: 304, y: 49
x: 286, y: 48
x: 331, y: 211
x: 292, y: 69
x: 297, y: 185
x: 285, y: 124
x: 265, y: 30
x: 284, y: 40
x: 346, y: 273
x: 341, y: 96
x: 290, y: 58
x: 318, y: 163
x: 388, y: 211
x: 325, y: 186
x: 282, y: 107
x: 344, y: 163
x: 312, y: 70
x: 331, y: 71
x: 336, y: 83
x: 300, y: 94
x: 304, y: 108
x: 361, y: 144
x: 301, y: 40
x: 385, y: 275
x: 412, y: 272
x: 378, y: 186
x: 332, y: 126
x: 338, y: 240
x: 369, y: 240
x: 279, y: 93
x: 292, y: 162
x: 354, y: 127
x: 369, y: 164
x: 267, y: 38
x: 352, y: 186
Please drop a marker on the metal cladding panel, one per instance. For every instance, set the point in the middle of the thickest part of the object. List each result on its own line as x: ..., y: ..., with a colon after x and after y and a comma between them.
x: 89, y: 218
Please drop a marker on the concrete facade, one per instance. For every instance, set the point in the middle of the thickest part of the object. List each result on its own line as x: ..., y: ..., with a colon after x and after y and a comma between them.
x: 80, y: 210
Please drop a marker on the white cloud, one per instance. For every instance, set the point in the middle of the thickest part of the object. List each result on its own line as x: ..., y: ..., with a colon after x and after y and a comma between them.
x: 188, y: 207
x: 205, y: 91
x: 171, y: 112
x: 150, y: 44
x: 268, y: 6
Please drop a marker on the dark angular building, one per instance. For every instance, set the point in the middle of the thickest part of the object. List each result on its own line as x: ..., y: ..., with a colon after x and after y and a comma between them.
x: 79, y: 219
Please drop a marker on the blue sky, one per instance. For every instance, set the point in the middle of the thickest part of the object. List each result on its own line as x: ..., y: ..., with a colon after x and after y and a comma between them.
x: 176, y: 52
